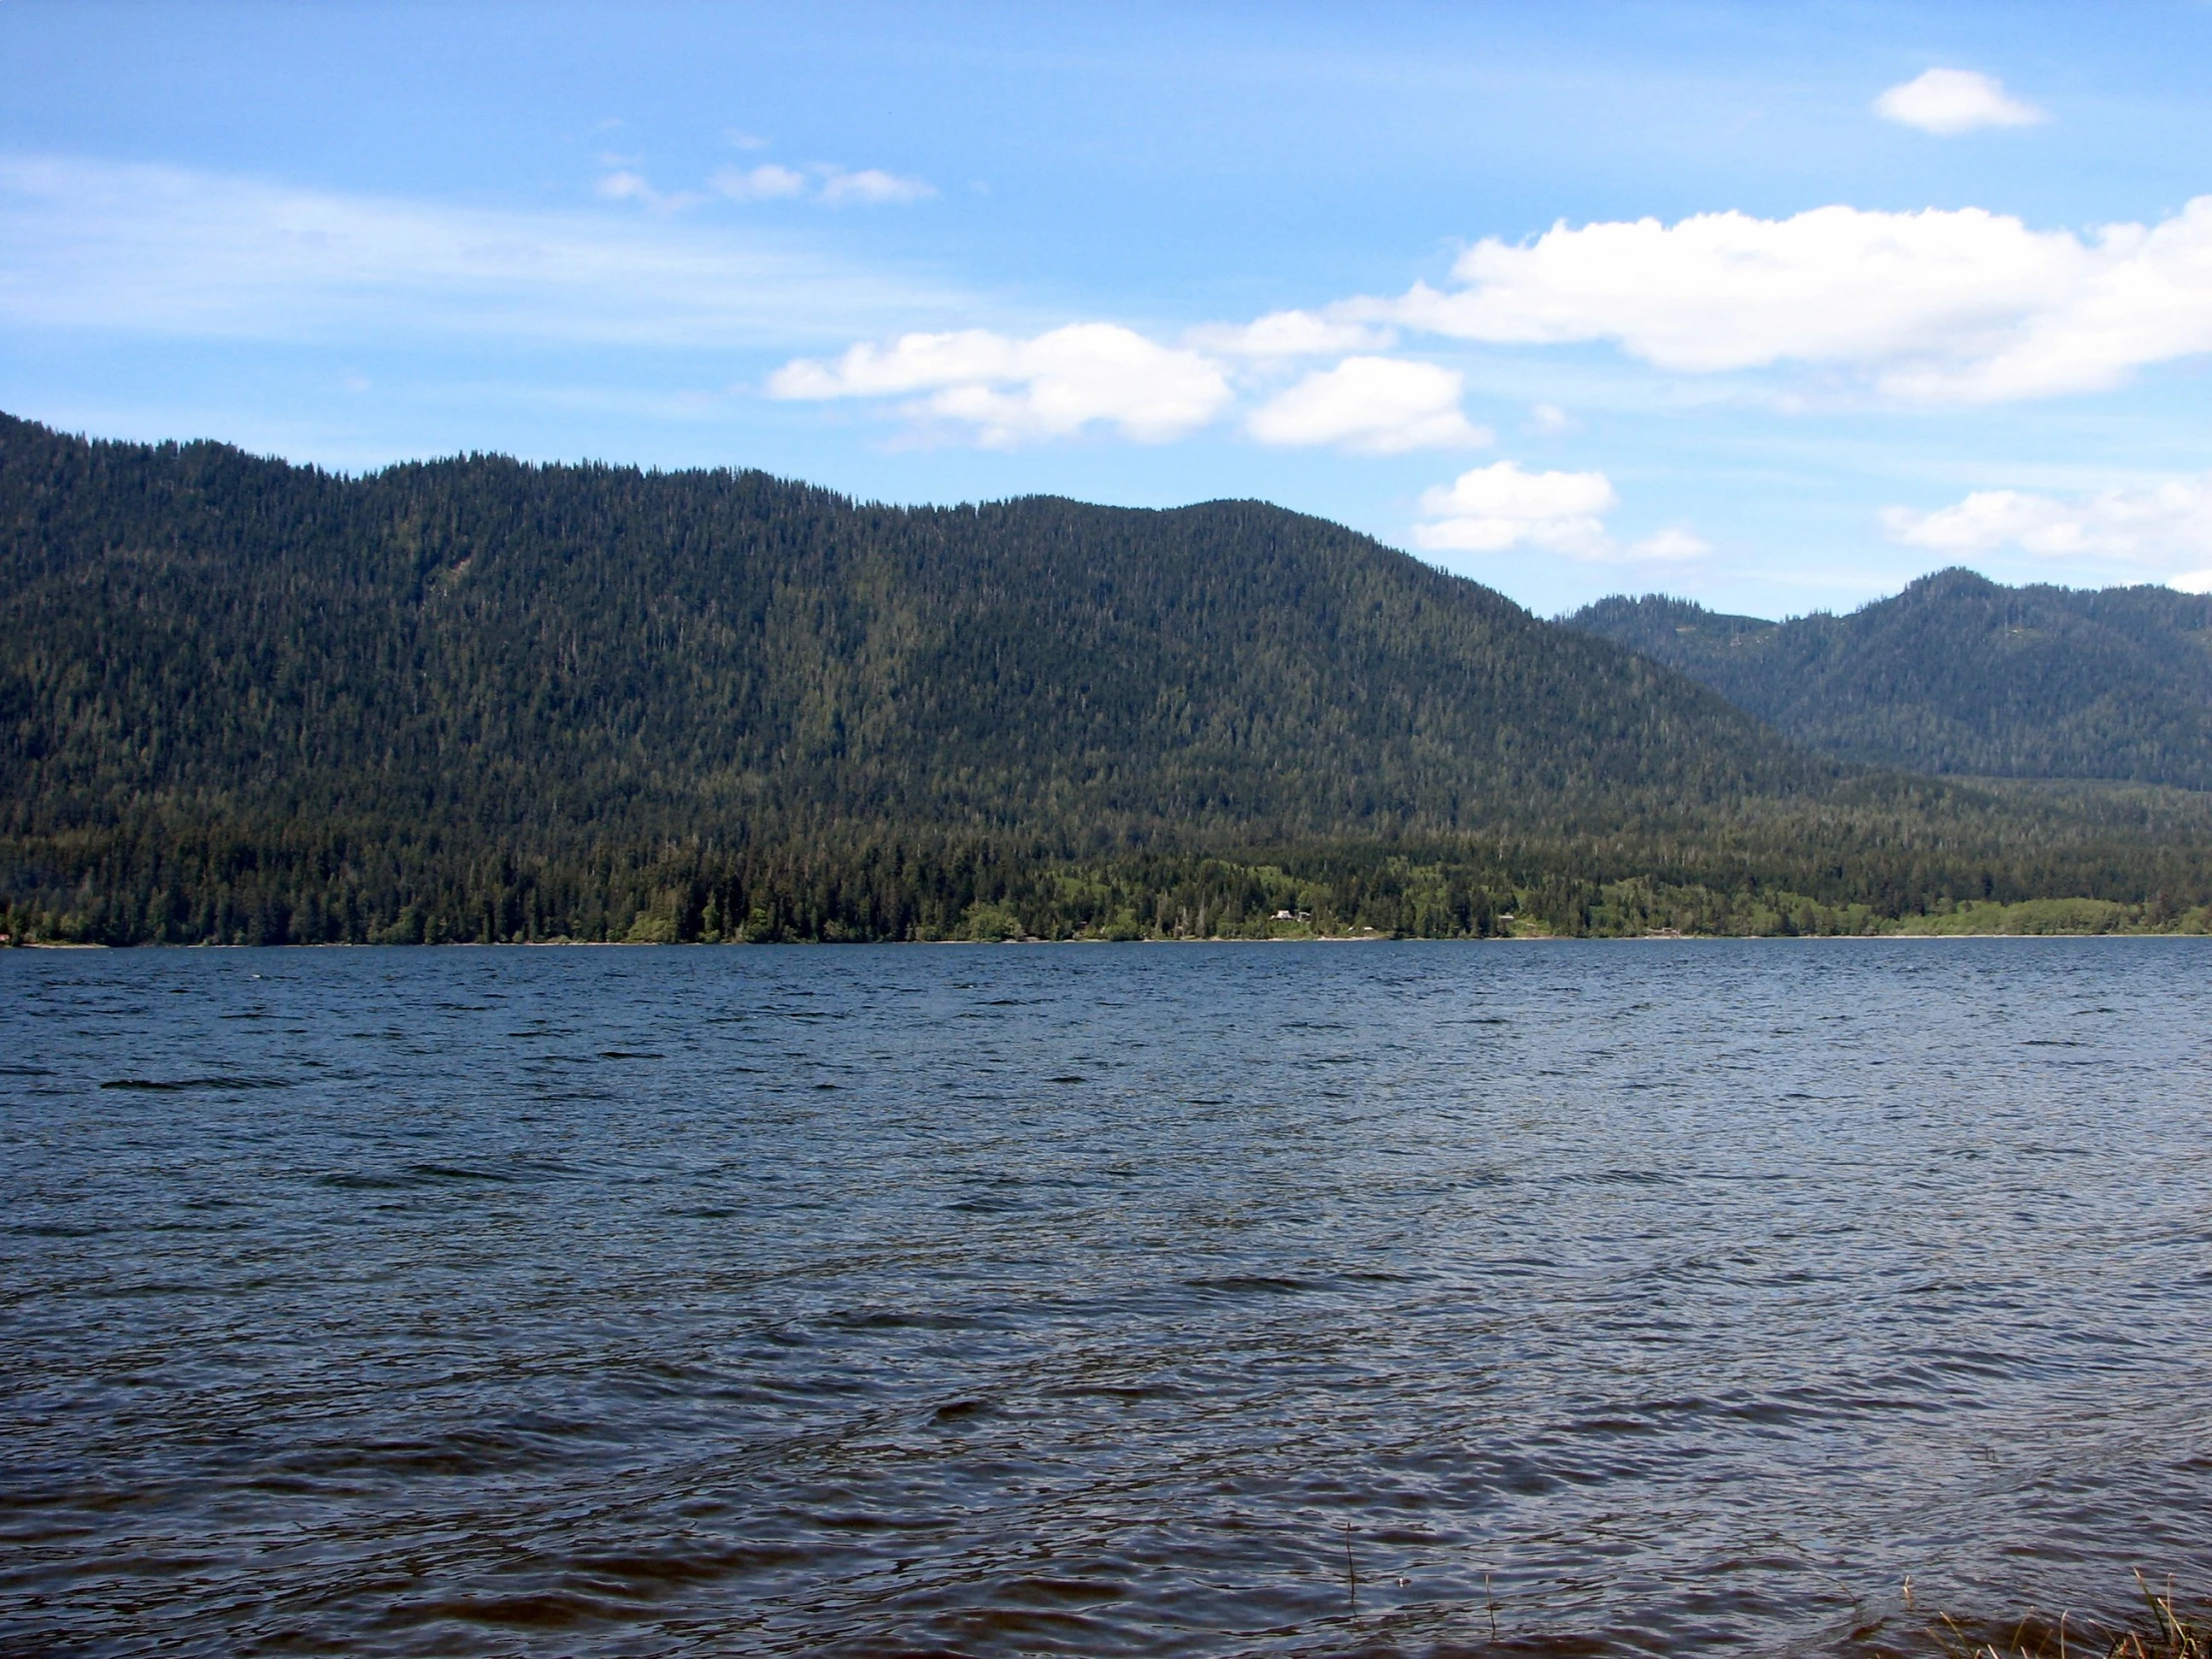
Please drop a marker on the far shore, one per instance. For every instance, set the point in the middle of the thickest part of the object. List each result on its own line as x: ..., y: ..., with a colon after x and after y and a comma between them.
x: 1917, y: 936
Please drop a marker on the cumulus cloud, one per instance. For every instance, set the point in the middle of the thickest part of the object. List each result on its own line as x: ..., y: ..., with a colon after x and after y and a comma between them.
x: 2164, y: 530
x: 1947, y: 102
x: 1011, y: 390
x: 1496, y: 508
x: 1937, y: 306
x: 1373, y: 406
x: 1289, y: 334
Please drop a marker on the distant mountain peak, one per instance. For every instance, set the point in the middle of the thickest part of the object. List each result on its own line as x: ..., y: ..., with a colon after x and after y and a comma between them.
x: 1958, y: 674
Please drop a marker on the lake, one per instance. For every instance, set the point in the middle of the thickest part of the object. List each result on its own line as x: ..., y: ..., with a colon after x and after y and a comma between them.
x: 1396, y: 1298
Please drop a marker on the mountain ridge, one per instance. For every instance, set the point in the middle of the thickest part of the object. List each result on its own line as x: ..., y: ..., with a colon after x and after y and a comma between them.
x: 1961, y: 676
x: 474, y: 699
x: 704, y: 643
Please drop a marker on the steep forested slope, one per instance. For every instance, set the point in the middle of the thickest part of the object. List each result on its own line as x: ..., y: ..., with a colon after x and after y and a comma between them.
x: 1958, y: 674
x: 549, y: 649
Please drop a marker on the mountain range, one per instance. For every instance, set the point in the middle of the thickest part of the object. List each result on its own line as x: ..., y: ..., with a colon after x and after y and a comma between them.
x: 242, y: 700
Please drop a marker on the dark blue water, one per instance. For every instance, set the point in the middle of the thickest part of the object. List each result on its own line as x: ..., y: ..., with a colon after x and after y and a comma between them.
x: 1183, y: 1300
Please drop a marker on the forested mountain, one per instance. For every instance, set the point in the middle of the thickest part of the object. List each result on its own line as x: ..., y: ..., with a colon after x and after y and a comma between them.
x: 474, y: 699
x: 1958, y: 674
x: 559, y: 647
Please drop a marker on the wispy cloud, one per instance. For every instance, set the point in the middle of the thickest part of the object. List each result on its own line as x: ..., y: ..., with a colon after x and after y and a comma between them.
x: 1947, y: 102
x: 625, y: 184
x: 766, y: 182
x: 871, y: 186
x: 834, y: 187
x: 166, y: 252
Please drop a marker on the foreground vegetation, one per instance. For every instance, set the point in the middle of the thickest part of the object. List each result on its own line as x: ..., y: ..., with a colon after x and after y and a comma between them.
x: 2162, y: 1628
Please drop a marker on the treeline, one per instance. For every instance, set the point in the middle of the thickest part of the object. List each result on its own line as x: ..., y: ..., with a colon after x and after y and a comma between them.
x: 1888, y: 855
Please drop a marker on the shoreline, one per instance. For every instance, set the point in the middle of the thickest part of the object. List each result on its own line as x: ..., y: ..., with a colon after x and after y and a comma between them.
x: 1312, y: 938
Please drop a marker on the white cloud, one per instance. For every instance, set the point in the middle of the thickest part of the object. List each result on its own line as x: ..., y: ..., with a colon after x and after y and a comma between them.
x: 1947, y: 102
x: 1937, y: 306
x: 1373, y: 406
x: 2164, y: 530
x: 834, y: 187
x: 1288, y: 334
x: 162, y: 251
x: 1494, y: 508
x: 625, y: 184
x: 1013, y: 391
x: 871, y: 187
x: 766, y: 182
x: 1671, y: 545
x: 1497, y: 508
x: 1550, y: 420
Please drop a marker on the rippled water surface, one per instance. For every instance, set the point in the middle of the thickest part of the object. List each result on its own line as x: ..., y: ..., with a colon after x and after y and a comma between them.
x: 1180, y: 1299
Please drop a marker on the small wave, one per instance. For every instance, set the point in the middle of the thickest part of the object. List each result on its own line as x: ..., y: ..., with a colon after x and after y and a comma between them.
x: 550, y: 1611
x: 457, y: 1172
x: 879, y: 1319
x: 1037, y: 1590
x: 1126, y: 1392
x: 173, y: 1085
x: 1250, y: 1283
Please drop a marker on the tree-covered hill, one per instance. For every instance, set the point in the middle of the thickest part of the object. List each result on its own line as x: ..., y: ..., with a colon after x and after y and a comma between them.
x: 1960, y: 674
x: 558, y: 649
x: 242, y: 701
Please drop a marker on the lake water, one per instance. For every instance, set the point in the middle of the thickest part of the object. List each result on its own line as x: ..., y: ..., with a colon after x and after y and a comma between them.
x: 1161, y: 1299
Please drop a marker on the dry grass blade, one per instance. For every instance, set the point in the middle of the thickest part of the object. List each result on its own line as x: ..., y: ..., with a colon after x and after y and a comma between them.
x: 2168, y: 1633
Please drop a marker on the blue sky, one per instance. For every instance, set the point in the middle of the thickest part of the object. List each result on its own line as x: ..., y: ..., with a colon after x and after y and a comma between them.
x: 1775, y: 308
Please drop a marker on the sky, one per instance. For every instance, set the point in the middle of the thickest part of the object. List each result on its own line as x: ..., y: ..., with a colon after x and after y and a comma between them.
x: 1772, y: 307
